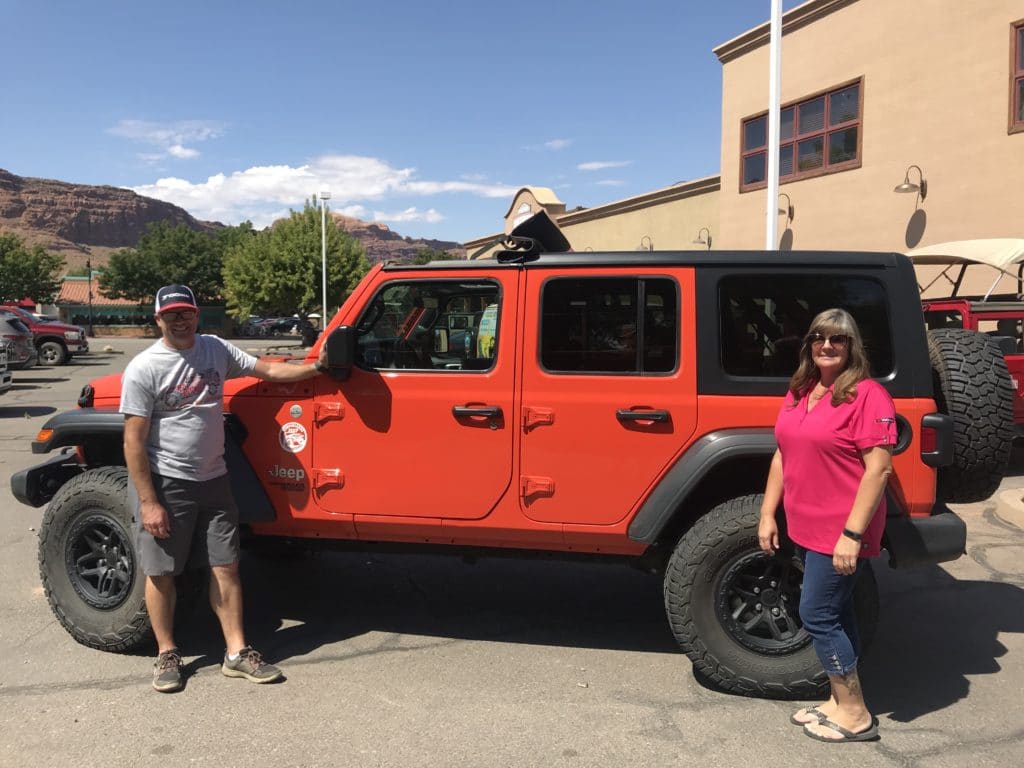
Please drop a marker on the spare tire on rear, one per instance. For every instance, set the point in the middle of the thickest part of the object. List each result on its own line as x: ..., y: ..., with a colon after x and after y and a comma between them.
x: 972, y: 385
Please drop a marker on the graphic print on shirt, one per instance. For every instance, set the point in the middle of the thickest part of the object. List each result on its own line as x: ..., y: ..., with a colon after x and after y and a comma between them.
x: 190, y: 390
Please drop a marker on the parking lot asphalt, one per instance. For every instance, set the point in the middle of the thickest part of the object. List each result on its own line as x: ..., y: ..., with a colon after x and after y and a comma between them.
x: 414, y: 660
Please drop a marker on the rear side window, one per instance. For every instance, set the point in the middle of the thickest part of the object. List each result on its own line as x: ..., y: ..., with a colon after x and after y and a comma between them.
x: 765, y: 317
x: 611, y: 325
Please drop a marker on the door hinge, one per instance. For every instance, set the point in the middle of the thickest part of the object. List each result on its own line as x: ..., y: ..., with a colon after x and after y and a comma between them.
x: 533, y: 485
x: 325, y: 411
x: 535, y: 417
x: 326, y: 478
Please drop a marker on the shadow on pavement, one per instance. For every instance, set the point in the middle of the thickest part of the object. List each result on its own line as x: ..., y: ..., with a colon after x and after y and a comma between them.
x: 40, y: 379
x: 24, y: 411
x: 294, y: 606
x: 935, y: 632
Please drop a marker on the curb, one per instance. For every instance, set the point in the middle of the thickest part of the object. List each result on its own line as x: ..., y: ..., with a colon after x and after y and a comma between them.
x: 1010, y: 507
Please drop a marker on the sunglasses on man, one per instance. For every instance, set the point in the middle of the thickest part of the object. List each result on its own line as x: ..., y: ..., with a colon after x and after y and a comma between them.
x: 835, y: 340
x: 174, y: 317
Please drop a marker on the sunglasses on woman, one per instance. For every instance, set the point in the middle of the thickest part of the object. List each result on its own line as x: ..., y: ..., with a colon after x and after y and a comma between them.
x: 835, y: 340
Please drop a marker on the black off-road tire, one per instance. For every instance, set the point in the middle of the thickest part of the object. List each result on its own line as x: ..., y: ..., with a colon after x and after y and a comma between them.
x: 725, y: 627
x: 972, y: 385
x: 88, y: 565
x: 53, y: 353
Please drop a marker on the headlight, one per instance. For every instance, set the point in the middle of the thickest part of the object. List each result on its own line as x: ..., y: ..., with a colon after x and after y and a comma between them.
x: 71, y: 335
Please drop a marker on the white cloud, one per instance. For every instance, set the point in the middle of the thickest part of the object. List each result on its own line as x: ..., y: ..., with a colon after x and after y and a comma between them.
x: 600, y: 165
x: 610, y: 183
x: 409, y: 214
x: 260, y: 192
x: 557, y: 144
x: 170, y: 138
x: 182, y: 153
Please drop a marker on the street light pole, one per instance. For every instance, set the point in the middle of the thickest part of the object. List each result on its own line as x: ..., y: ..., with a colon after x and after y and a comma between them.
x: 88, y: 267
x: 324, y: 196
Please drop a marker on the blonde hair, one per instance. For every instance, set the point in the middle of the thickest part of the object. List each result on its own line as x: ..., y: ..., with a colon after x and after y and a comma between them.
x: 857, y: 367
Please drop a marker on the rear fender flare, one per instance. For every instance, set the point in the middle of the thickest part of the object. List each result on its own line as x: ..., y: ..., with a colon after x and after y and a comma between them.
x: 689, y: 470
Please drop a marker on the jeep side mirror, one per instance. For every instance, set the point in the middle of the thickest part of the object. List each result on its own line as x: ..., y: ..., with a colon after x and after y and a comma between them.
x: 341, y: 351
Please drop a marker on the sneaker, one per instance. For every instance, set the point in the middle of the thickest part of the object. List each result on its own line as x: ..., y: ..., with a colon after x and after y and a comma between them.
x: 167, y: 671
x: 251, y: 666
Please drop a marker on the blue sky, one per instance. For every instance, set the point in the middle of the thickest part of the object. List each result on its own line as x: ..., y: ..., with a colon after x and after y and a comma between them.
x: 424, y: 116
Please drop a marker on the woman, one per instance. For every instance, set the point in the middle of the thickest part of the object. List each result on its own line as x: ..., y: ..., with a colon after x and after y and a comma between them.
x: 835, y: 433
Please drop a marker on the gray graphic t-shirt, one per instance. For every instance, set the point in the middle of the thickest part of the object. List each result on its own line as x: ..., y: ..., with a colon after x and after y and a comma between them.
x: 182, y: 393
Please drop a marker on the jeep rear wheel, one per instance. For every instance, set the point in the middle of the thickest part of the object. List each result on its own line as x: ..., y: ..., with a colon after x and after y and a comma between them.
x: 735, y: 610
x: 89, y: 568
x: 53, y: 353
x: 972, y: 385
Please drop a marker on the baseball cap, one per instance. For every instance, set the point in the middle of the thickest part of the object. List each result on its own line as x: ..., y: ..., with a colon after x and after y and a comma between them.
x: 175, y: 297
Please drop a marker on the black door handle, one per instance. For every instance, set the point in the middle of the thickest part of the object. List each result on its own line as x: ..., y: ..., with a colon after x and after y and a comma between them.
x: 628, y: 415
x: 463, y: 411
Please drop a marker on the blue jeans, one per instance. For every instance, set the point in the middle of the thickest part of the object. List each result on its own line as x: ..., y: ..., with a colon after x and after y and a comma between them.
x: 826, y: 609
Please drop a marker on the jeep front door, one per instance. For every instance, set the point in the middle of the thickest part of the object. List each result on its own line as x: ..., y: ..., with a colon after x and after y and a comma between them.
x: 422, y: 428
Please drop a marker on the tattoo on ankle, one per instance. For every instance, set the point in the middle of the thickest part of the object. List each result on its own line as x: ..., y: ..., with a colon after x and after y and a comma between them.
x: 852, y: 681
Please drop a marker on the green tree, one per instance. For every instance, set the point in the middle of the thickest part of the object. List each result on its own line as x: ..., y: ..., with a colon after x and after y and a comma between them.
x: 28, y: 272
x: 426, y: 255
x: 165, y: 255
x: 277, y: 271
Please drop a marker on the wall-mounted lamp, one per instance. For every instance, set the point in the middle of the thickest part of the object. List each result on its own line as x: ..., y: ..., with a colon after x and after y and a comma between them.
x: 701, y: 240
x: 789, y: 210
x: 908, y: 186
x: 646, y: 244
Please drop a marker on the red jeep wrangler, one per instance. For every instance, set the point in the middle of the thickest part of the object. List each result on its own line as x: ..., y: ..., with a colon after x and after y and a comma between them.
x: 997, y: 314
x: 610, y: 405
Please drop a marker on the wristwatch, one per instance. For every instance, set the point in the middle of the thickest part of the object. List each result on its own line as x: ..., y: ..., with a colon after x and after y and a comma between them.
x: 852, y: 534
x: 319, y: 366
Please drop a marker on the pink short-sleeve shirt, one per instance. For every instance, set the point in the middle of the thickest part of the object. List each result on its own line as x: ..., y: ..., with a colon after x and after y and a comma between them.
x: 822, y: 466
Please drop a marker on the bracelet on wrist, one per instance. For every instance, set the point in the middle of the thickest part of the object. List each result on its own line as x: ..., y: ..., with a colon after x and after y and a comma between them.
x: 852, y: 534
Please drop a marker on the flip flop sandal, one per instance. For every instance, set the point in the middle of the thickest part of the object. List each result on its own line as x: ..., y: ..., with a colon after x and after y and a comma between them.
x: 870, y: 734
x: 814, y: 712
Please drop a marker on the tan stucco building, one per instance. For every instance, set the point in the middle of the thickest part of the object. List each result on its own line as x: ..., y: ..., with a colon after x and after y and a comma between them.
x: 869, y: 88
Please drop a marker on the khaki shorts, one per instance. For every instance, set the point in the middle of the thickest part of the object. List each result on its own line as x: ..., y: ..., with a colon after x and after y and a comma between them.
x: 204, y: 526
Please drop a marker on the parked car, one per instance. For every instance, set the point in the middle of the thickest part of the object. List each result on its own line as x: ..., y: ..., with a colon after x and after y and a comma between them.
x: 5, y: 374
x: 21, y: 352
x: 56, y: 342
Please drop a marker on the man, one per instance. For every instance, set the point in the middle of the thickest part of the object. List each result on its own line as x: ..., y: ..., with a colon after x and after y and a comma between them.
x: 172, y: 398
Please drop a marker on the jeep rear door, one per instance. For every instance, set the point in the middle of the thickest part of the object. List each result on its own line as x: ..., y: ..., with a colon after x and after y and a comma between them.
x: 609, y: 388
x: 422, y: 428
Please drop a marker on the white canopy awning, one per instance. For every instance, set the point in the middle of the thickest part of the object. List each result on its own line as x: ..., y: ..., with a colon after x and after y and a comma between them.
x: 1000, y: 253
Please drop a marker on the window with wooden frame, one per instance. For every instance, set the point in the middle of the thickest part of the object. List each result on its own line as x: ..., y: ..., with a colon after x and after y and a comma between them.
x: 817, y: 135
x: 1017, y: 77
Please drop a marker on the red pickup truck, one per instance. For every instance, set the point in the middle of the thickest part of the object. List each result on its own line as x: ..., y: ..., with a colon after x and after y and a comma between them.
x: 57, y: 342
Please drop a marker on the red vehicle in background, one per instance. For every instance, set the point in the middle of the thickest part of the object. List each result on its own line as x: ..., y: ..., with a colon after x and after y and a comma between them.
x: 997, y: 309
x: 56, y: 342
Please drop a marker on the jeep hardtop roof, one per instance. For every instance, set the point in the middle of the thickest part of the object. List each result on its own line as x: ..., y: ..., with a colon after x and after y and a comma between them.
x: 817, y: 259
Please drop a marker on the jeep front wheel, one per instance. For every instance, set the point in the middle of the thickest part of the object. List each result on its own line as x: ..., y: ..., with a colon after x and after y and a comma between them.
x: 735, y: 610
x: 87, y: 562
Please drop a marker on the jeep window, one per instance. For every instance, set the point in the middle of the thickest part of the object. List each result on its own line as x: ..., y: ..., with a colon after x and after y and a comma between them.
x: 764, y: 318
x: 1017, y: 77
x: 817, y: 135
x: 609, y: 325
x: 443, y: 325
x: 943, y: 318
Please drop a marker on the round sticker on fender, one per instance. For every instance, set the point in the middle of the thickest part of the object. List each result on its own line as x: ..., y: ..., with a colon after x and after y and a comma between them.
x: 292, y: 437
